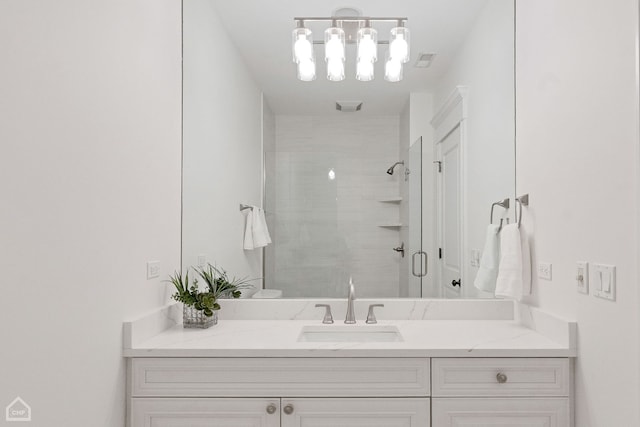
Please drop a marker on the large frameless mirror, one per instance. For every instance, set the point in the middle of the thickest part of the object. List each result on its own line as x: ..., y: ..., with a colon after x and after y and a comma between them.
x: 389, y: 182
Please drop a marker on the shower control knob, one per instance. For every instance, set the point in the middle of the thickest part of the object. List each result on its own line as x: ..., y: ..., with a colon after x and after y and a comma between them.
x: 455, y: 283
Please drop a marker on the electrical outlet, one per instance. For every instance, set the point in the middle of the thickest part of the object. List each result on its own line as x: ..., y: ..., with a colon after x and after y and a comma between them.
x: 582, y: 277
x: 544, y: 270
x: 202, y: 260
x: 153, y: 269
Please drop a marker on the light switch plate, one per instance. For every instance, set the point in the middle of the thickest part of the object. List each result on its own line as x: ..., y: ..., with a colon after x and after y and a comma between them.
x: 202, y: 260
x: 153, y: 269
x: 603, y: 281
x: 582, y: 277
x: 544, y: 270
x: 475, y: 258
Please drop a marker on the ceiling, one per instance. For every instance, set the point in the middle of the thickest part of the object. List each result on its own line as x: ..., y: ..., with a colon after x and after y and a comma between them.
x: 263, y: 36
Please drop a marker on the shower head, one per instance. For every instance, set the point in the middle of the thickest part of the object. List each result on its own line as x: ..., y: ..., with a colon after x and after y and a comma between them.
x: 390, y: 170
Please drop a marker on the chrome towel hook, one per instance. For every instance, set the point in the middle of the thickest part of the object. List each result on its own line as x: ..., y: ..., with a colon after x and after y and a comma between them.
x: 522, y: 201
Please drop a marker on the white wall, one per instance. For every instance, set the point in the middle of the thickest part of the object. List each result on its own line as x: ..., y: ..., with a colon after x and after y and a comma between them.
x: 90, y: 185
x: 222, y: 145
x: 577, y: 157
x: 484, y: 65
x: 327, y: 230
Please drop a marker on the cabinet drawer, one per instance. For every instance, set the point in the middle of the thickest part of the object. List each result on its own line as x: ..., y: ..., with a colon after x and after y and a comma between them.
x: 294, y: 377
x: 512, y: 412
x: 500, y: 377
x: 243, y: 412
x: 356, y: 412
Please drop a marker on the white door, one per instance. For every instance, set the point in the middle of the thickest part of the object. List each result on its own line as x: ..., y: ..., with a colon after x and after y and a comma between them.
x: 503, y: 412
x: 450, y: 215
x: 355, y: 412
x: 206, y: 412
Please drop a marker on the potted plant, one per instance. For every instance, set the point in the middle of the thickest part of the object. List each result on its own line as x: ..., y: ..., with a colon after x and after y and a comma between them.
x: 200, y: 308
x: 219, y: 283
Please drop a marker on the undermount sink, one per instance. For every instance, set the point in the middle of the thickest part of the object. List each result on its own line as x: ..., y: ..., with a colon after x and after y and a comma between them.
x: 349, y: 333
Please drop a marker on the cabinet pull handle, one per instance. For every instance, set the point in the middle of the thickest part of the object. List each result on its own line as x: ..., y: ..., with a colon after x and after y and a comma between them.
x: 271, y: 409
x: 502, y: 378
x: 288, y: 409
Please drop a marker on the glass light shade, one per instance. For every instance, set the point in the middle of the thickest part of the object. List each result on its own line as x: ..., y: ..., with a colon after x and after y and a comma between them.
x: 364, y: 70
x: 335, y: 70
x: 334, y: 44
x: 307, y: 70
x: 367, y: 44
x: 399, y: 46
x: 392, y: 70
x: 302, y: 45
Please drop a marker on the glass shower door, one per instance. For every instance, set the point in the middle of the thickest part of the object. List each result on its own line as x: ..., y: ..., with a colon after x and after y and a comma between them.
x: 417, y: 258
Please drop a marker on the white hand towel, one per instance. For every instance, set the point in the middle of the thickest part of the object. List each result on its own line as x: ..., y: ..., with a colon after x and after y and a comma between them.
x: 488, y: 272
x: 514, y: 272
x: 248, y: 232
x: 526, y: 261
x: 260, y: 231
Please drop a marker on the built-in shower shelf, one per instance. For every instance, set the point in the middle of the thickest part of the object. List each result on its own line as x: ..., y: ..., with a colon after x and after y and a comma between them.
x: 391, y: 225
x: 391, y: 200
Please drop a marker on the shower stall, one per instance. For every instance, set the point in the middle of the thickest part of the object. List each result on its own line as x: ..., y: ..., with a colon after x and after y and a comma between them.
x: 334, y: 213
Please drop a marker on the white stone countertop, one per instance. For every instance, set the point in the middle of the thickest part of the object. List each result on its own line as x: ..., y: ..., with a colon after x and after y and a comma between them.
x: 421, y: 338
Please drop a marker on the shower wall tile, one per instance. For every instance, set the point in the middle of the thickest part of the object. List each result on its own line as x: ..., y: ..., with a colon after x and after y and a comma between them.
x: 324, y: 230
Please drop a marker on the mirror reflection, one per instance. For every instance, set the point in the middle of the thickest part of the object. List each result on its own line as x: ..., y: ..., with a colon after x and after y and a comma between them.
x: 388, y: 182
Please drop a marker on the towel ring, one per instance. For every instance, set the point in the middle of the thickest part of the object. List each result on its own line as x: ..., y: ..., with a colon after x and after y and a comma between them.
x: 503, y: 204
x: 522, y: 201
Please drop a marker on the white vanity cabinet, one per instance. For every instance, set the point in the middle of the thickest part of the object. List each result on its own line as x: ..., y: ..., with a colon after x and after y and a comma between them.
x: 349, y: 392
x: 531, y: 392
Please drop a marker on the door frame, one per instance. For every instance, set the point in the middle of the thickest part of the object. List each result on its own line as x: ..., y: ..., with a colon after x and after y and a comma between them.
x: 452, y: 114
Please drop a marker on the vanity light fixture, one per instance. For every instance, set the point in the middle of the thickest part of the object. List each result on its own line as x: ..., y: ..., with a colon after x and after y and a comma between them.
x: 350, y: 30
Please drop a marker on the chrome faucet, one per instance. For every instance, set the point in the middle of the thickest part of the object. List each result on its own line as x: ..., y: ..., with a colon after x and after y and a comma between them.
x: 351, y: 317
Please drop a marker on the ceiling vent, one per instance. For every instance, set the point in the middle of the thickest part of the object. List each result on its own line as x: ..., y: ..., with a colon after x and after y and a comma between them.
x: 424, y: 60
x: 348, y: 106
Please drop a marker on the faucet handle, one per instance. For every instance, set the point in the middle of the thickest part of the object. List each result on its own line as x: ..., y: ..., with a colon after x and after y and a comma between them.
x: 371, y: 317
x: 328, y: 318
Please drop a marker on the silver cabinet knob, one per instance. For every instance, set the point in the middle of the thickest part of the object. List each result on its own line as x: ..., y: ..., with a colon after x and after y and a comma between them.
x: 502, y: 378
x: 271, y: 409
x: 288, y: 409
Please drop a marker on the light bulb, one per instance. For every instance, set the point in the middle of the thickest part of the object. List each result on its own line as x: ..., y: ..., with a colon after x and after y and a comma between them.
x: 332, y: 174
x: 302, y: 49
x: 399, y: 46
x: 367, y: 44
x: 307, y: 70
x: 364, y: 71
x: 302, y: 43
x: 334, y: 44
x: 393, y: 70
x: 335, y: 70
x: 334, y: 49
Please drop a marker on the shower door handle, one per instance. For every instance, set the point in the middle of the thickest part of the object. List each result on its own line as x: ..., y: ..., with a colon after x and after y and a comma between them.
x: 423, y: 271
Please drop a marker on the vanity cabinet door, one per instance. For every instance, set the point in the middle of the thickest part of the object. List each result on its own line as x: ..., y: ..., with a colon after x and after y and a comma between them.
x: 512, y: 412
x: 208, y: 412
x: 355, y: 412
